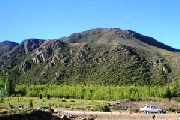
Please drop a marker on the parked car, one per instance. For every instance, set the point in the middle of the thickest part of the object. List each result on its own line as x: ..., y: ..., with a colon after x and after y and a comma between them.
x: 42, y: 108
x: 152, y: 109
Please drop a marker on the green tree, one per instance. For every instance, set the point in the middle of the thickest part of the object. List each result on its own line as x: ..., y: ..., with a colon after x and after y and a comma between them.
x: 40, y: 96
x: 31, y: 104
x: 168, y: 94
x: 9, y: 87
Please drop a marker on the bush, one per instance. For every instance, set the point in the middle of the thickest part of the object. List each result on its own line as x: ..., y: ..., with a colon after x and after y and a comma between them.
x: 134, y: 110
x: 178, y: 111
x: 103, y: 108
x: 67, y: 106
x: 2, y: 111
x: 18, y: 95
x: 2, y: 100
x: 171, y: 110
x: 72, y: 100
x: 34, y: 94
x: 63, y: 100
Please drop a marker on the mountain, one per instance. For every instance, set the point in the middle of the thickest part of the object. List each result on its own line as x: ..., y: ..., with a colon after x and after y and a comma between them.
x: 109, y: 56
x: 6, y: 50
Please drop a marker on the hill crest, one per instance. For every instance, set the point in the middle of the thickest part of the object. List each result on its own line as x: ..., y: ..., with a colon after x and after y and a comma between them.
x: 98, y: 56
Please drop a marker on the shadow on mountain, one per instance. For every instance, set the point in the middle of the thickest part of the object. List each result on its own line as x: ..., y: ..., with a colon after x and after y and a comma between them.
x: 152, y: 41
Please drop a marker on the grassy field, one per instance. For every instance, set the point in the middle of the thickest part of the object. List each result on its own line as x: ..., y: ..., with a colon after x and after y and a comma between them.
x: 81, y: 104
x: 54, y: 102
x: 81, y: 107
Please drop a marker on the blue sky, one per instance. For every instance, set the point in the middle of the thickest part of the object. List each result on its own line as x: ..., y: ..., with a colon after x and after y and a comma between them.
x: 51, y: 19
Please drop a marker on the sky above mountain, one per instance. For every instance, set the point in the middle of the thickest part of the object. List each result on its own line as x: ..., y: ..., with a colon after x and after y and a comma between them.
x: 52, y: 19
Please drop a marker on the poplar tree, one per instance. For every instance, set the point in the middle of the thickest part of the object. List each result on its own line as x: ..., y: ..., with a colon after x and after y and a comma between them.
x: 8, y: 86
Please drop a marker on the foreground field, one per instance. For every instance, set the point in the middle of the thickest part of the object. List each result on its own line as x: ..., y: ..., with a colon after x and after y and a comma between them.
x: 119, y: 115
x: 81, y: 115
x: 121, y: 110
x: 82, y: 104
x: 139, y: 117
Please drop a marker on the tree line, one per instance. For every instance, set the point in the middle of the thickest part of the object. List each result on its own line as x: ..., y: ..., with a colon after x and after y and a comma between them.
x: 91, y: 92
x: 98, y: 92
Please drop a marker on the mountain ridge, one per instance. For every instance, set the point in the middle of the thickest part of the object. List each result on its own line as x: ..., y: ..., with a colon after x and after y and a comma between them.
x: 128, y: 34
x: 124, y: 34
x: 98, y: 56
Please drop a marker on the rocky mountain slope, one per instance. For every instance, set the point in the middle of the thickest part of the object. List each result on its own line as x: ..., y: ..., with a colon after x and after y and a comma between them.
x: 108, y: 56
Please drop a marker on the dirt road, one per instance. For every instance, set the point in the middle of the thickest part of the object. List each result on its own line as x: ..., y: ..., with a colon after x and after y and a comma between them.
x: 120, y: 115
